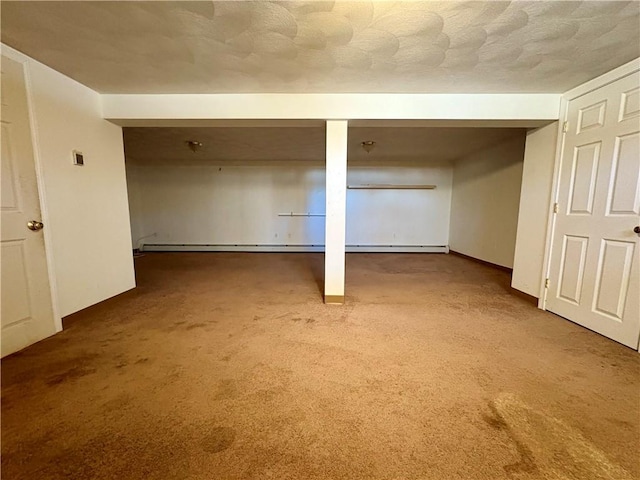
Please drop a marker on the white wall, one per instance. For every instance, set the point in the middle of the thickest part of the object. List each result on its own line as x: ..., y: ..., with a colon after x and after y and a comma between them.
x: 137, y: 235
x: 213, y: 204
x: 399, y: 217
x: 85, y: 208
x: 484, y: 205
x: 239, y: 204
x: 537, y: 180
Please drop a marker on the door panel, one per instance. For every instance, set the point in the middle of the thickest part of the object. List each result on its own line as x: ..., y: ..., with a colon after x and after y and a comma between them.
x: 583, y: 183
x: 574, y: 255
x: 26, y: 308
x: 592, y: 116
x: 15, y: 286
x: 612, y: 279
x: 630, y: 105
x: 625, y: 188
x: 595, y: 269
x: 7, y: 174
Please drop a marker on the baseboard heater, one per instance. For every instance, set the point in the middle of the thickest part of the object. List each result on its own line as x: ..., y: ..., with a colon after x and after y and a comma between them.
x: 200, y: 247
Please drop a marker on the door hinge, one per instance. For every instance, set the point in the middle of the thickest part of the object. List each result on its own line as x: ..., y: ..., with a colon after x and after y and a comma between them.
x: 565, y: 127
x: 546, y: 283
x: 555, y: 207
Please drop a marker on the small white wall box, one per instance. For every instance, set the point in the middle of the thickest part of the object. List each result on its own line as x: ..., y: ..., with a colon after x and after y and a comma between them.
x: 78, y: 158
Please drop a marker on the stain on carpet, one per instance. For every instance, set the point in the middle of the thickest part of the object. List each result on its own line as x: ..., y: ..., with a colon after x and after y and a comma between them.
x: 218, y: 439
x: 196, y: 325
x: 305, y: 320
x: 70, y: 375
x: 548, y: 447
x: 526, y: 462
x: 226, y: 389
x: 52, y: 369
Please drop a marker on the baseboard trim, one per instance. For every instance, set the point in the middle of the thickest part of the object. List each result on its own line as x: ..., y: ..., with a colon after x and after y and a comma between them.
x: 334, y: 299
x: 483, y: 262
x: 192, y: 247
x: 196, y: 247
x: 397, y: 249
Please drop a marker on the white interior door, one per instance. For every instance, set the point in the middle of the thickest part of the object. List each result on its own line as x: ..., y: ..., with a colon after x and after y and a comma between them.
x: 595, y: 264
x: 26, y: 309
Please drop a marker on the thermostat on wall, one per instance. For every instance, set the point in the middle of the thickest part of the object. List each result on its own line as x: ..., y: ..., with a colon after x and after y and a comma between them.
x: 78, y: 158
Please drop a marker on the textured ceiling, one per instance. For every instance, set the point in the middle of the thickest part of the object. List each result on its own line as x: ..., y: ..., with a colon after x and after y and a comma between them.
x: 162, y: 146
x: 326, y: 47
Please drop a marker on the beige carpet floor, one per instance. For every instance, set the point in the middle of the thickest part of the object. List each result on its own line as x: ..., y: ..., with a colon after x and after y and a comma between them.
x: 229, y: 366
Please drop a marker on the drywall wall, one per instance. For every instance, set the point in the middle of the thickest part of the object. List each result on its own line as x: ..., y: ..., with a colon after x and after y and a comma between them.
x: 485, y: 201
x: 227, y: 204
x: 86, y: 208
x: 399, y: 217
x: 537, y: 180
x: 134, y: 206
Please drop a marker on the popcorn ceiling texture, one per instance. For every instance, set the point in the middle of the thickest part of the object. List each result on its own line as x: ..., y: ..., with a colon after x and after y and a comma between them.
x: 365, y: 46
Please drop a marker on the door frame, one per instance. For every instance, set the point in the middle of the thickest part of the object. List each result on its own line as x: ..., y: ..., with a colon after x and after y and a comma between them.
x: 37, y: 162
x: 616, y: 74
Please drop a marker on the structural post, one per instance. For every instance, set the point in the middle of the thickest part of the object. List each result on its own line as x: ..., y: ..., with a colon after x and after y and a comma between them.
x: 336, y: 192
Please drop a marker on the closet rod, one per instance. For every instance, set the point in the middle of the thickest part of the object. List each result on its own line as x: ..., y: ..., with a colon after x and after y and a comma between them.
x: 391, y: 187
x: 291, y: 214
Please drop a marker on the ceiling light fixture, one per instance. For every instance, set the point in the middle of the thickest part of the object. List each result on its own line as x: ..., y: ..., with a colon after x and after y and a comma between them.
x: 368, y: 145
x: 194, y: 145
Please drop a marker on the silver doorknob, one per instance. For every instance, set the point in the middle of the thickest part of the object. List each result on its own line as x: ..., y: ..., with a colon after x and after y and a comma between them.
x: 35, y: 225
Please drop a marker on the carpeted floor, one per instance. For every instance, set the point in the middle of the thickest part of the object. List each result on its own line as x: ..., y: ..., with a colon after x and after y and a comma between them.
x: 229, y: 366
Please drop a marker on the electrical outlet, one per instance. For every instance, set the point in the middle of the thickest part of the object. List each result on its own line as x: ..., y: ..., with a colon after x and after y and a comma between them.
x: 78, y: 158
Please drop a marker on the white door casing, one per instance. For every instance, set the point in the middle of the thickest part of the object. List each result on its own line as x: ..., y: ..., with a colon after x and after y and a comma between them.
x: 26, y: 305
x: 594, y: 277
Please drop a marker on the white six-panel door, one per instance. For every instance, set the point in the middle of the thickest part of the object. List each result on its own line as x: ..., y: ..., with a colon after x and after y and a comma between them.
x: 26, y: 308
x: 595, y: 259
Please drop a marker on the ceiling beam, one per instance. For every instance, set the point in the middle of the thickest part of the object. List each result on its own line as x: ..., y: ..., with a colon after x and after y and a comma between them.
x: 144, y: 110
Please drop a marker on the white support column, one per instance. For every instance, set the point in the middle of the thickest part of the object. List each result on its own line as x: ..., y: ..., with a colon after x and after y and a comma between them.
x: 336, y: 192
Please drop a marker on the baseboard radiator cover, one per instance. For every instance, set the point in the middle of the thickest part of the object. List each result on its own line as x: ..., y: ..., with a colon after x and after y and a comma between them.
x: 199, y: 247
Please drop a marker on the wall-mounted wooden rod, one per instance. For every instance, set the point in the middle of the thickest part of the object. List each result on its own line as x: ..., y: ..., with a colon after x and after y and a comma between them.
x: 291, y: 214
x: 391, y: 187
